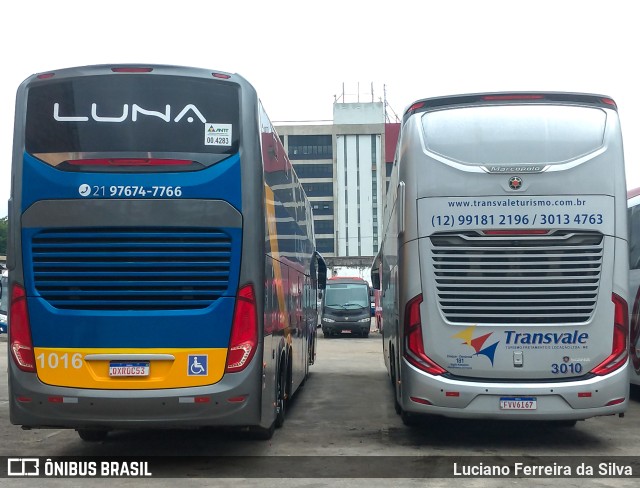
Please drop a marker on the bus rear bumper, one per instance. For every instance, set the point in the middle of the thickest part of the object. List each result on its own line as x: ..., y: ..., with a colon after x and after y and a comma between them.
x: 233, y: 401
x: 568, y: 400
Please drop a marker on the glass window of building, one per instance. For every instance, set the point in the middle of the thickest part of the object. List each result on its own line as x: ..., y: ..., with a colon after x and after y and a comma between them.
x: 325, y: 246
x: 322, y: 208
x: 323, y: 226
x: 310, y: 147
x: 318, y: 189
x: 314, y: 170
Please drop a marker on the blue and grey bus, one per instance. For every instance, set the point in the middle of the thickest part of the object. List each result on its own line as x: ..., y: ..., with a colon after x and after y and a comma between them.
x: 162, y: 265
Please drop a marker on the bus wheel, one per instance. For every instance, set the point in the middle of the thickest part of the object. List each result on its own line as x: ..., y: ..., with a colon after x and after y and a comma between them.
x: 261, y: 433
x: 92, y: 435
x: 565, y: 423
x: 408, y: 419
x: 281, y: 399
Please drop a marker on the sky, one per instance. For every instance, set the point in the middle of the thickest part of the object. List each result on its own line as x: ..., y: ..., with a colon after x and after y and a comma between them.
x: 298, y: 54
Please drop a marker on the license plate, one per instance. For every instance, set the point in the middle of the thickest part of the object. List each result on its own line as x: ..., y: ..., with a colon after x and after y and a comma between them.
x: 129, y: 369
x: 346, y: 331
x: 518, y: 403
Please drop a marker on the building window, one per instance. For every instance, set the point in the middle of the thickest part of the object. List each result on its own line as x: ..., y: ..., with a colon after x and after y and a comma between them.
x: 318, y: 189
x: 314, y: 170
x: 310, y: 147
x: 323, y: 226
x: 325, y: 246
x: 322, y: 208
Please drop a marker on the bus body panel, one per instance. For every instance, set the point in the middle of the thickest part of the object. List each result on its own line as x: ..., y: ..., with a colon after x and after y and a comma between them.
x: 497, y: 320
x: 80, y: 197
x: 634, y: 284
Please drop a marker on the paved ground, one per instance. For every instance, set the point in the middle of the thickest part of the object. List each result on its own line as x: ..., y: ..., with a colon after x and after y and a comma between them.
x: 344, y: 421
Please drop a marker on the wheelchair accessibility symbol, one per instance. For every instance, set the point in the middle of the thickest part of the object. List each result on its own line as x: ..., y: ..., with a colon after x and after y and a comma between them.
x: 197, y: 365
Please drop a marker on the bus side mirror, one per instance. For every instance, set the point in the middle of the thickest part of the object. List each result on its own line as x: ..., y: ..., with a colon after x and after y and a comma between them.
x: 322, y: 273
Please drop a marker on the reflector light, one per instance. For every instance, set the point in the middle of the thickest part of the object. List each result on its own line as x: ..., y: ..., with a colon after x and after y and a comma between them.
x: 132, y: 70
x: 414, y: 345
x: 23, y: 399
x: 129, y: 162
x: 45, y: 76
x: 619, y: 349
x: 244, y: 331
x: 513, y: 97
x: 416, y: 106
x: 202, y: 399
x: 221, y: 75
x: 452, y: 393
x: 516, y: 232
x: 20, y: 331
x: 237, y: 399
x: 55, y: 399
x: 584, y: 394
x: 420, y: 400
x: 617, y: 401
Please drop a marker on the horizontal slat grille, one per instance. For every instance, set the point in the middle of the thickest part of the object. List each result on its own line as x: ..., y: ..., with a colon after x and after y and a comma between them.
x: 131, y: 268
x: 516, y: 279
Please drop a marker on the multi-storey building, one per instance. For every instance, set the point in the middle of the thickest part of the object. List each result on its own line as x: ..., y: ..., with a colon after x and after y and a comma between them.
x: 344, y: 168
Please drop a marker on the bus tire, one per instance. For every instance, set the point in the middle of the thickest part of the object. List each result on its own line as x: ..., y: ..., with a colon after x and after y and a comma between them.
x: 262, y: 433
x: 408, y: 419
x: 92, y: 435
x: 281, y: 395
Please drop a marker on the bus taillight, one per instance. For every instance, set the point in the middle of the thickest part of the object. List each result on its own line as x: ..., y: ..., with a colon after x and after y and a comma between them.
x: 414, y: 345
x: 619, y: 350
x: 244, y: 331
x: 20, y: 331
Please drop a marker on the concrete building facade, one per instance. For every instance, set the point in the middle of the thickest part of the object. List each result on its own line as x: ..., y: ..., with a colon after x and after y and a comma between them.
x: 344, y: 168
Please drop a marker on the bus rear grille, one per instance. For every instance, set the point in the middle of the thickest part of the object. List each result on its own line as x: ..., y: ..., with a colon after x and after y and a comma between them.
x: 517, y: 279
x: 131, y: 268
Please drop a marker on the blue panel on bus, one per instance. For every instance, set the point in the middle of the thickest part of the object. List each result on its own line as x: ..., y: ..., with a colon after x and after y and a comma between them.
x: 90, y: 329
x: 44, y: 182
x: 130, y: 286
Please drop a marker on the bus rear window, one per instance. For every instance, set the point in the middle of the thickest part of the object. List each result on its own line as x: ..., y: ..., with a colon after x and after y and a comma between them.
x: 132, y: 115
x: 516, y: 134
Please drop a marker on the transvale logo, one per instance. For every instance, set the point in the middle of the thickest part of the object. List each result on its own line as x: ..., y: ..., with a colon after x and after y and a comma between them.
x: 478, y: 343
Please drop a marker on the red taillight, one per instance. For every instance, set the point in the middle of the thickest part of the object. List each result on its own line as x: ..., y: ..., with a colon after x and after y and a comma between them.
x: 244, y: 331
x: 222, y: 76
x: 45, y: 76
x: 129, y: 162
x: 131, y: 69
x: 415, y: 106
x: 619, y: 350
x: 20, y: 331
x: 414, y: 345
x: 609, y: 101
x: 635, y: 332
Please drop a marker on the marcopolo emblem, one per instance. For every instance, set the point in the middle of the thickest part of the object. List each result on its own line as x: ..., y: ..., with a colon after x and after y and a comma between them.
x: 515, y: 182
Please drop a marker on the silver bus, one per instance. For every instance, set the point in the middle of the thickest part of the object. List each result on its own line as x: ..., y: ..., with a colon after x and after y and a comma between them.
x: 504, y: 265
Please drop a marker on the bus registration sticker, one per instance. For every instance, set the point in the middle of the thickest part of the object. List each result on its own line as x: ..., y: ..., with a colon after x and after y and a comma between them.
x: 139, y: 368
x: 217, y: 134
x: 518, y: 403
